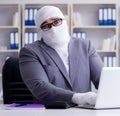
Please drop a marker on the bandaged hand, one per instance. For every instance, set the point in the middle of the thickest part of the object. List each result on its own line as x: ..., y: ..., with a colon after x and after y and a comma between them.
x: 84, y: 98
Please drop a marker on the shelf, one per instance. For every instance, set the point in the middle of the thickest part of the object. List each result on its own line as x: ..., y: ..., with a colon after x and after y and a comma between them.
x: 96, y: 27
x: 30, y: 27
x: 8, y: 27
x: 27, y: 27
x: 8, y: 5
x: 88, y: 23
x: 10, y: 30
x: 8, y: 51
x: 106, y: 51
x: 85, y: 24
x: 94, y: 4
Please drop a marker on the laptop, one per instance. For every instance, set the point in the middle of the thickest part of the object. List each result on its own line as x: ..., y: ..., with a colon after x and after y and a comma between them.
x: 108, y: 96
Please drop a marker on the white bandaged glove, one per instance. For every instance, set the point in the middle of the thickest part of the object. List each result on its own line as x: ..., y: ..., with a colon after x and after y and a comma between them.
x: 84, y: 98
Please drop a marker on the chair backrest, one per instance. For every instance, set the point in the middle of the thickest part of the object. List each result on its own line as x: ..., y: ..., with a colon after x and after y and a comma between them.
x: 14, y: 89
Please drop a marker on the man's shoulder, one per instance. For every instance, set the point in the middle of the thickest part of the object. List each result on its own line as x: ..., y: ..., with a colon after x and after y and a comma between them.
x: 31, y: 47
x: 79, y: 41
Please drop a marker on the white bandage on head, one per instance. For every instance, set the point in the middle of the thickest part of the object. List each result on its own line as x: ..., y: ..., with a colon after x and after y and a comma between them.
x: 56, y: 37
x: 47, y: 12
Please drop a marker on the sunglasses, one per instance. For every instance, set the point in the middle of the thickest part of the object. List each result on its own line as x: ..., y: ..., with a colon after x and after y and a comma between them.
x: 56, y: 22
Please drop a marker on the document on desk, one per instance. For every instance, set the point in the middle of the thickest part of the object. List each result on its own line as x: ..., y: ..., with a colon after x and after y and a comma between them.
x: 24, y: 106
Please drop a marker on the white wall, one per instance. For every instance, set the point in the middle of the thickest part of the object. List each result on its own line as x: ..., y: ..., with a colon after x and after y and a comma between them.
x: 67, y: 1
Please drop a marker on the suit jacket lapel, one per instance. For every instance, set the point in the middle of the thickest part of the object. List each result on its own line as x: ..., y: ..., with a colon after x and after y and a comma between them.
x: 57, y: 60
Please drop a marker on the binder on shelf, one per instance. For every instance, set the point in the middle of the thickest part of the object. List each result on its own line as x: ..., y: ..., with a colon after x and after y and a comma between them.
x: 107, y: 16
x: 34, y: 14
x: 30, y: 16
x: 105, y: 22
x: 30, y: 37
x: 109, y: 43
x: 74, y: 35
x: 35, y: 36
x: 114, y: 16
x: 26, y: 16
x: 106, y: 44
x: 16, y: 40
x: 75, y: 23
x: 101, y: 16
x: 16, y: 19
x: 110, y: 16
x: 105, y: 61
x: 79, y: 34
x: 114, y: 59
x: 113, y: 42
x: 26, y: 38
x: 12, y: 40
x: 77, y: 18
x: 109, y: 61
x: 83, y: 35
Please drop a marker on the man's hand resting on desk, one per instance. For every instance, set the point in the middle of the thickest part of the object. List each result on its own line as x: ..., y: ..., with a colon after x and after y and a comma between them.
x: 84, y: 98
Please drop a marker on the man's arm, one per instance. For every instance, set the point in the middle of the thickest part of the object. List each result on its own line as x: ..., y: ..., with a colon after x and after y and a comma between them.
x: 96, y: 65
x: 35, y: 77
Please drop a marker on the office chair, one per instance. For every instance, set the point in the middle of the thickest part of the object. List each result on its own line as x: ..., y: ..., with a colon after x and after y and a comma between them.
x: 14, y: 89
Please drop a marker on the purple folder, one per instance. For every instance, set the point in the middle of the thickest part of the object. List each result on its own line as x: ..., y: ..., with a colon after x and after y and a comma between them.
x: 25, y: 106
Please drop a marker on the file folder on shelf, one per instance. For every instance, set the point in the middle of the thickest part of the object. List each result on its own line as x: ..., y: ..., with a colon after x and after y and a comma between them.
x: 14, y: 40
x: 30, y: 16
x: 107, y: 16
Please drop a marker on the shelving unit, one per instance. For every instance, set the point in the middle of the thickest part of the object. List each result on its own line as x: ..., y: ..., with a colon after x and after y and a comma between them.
x: 31, y: 28
x: 10, y: 16
x: 85, y: 18
x: 89, y: 24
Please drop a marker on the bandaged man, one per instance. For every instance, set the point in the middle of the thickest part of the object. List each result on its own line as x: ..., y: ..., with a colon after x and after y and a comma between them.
x: 58, y: 68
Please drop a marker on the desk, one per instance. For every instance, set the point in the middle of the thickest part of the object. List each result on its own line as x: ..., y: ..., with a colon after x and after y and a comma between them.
x: 59, y: 112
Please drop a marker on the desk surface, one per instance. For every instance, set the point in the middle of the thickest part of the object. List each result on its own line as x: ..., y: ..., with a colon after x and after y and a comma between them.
x: 59, y: 112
